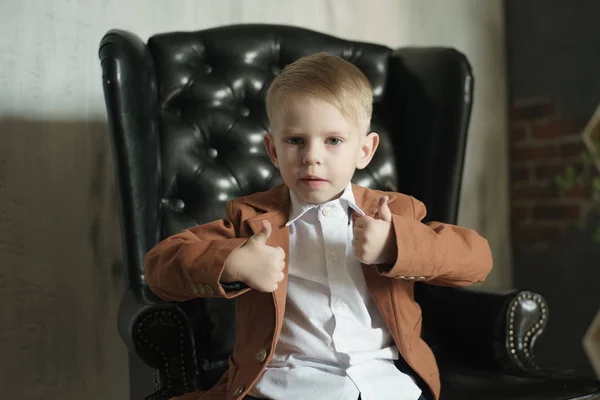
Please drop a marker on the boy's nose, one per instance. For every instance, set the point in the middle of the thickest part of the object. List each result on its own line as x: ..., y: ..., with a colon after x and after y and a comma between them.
x: 312, y: 155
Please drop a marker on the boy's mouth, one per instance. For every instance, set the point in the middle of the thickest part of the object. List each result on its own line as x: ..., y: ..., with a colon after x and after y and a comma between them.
x: 312, y: 178
x: 312, y: 181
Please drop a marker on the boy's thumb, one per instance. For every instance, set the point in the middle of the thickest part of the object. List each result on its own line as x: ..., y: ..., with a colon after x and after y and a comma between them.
x: 263, y: 235
x: 384, y: 212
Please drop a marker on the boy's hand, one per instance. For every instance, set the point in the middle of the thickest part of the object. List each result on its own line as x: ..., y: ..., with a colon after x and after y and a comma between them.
x: 255, y: 263
x: 374, y: 241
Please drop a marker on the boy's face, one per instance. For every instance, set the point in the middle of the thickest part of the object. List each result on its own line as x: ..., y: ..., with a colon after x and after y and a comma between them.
x: 316, y: 148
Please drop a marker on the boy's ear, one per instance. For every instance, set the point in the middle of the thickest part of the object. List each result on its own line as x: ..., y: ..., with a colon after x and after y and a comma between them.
x: 367, y: 150
x: 270, y: 146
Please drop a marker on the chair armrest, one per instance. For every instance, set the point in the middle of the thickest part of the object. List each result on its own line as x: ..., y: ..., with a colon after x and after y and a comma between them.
x: 177, y: 339
x: 490, y: 330
x: 160, y: 335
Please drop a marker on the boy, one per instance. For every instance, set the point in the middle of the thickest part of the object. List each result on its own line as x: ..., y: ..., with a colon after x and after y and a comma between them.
x: 323, y: 270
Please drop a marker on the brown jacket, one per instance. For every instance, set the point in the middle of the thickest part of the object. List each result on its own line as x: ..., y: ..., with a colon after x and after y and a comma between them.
x: 189, y: 265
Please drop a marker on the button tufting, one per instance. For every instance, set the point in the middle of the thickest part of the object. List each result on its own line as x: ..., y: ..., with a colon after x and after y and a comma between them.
x: 275, y: 69
x: 244, y: 111
x: 177, y: 204
x: 212, y: 153
x: 175, y: 111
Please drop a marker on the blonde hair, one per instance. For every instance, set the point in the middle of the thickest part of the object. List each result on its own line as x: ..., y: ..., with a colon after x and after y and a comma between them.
x: 329, y: 78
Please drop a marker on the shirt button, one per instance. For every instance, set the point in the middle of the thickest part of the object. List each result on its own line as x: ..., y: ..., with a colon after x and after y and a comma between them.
x: 333, y: 256
x: 260, y: 356
x: 338, y: 305
x: 327, y: 211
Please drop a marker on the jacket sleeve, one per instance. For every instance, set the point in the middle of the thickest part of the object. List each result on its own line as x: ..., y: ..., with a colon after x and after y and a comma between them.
x: 437, y: 253
x: 189, y: 264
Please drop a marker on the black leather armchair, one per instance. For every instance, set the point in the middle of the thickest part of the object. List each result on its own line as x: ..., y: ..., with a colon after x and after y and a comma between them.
x: 186, y: 114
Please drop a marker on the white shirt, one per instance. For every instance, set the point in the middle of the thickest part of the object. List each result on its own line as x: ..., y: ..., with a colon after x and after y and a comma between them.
x: 334, y: 343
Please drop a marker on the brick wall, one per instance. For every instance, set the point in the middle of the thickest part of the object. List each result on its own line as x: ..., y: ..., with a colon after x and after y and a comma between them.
x: 543, y: 145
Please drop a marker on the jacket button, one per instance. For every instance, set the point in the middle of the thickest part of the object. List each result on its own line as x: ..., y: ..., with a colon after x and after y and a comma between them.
x: 260, y: 356
x: 200, y: 289
x: 238, y: 391
x: 209, y: 290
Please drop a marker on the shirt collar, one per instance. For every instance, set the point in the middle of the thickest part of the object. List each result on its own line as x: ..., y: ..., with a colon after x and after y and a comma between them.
x: 300, y: 207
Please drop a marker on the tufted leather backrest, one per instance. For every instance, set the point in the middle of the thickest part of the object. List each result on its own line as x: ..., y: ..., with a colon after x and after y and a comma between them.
x: 211, y: 93
x: 187, y: 119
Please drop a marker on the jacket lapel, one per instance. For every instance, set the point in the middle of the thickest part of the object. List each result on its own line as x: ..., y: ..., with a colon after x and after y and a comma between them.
x: 280, y: 236
x: 379, y: 286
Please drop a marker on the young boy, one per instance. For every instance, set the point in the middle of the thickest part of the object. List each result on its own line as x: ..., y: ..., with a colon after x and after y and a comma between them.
x: 323, y: 270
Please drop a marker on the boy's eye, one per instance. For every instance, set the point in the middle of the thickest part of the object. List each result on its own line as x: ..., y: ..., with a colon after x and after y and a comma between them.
x: 334, y: 141
x: 294, y: 140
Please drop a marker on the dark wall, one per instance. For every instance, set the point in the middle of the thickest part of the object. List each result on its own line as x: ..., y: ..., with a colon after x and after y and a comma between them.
x: 553, y: 52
